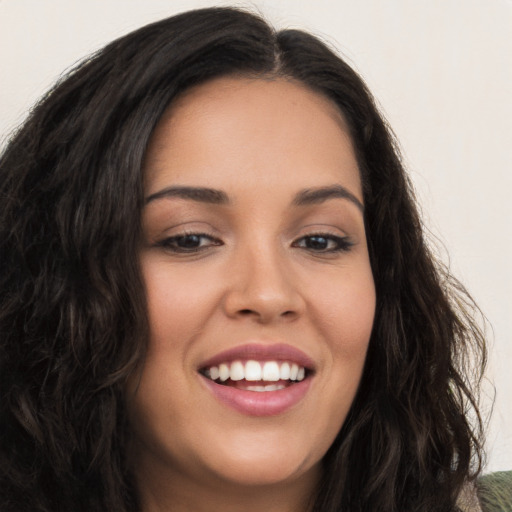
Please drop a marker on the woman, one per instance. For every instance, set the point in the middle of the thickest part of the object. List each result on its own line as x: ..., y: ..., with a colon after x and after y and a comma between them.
x: 216, y: 292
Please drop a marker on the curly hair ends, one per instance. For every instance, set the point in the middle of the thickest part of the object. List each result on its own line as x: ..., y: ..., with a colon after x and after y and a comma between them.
x: 73, y: 323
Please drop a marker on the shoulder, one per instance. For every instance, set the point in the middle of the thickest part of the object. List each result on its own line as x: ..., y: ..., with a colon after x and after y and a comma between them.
x: 495, y: 492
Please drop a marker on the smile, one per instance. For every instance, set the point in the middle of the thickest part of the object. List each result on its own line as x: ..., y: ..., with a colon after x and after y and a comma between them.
x: 259, y: 380
x: 244, y: 375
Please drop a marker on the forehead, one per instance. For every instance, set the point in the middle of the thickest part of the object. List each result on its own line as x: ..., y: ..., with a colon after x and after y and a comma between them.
x: 240, y: 91
x: 255, y: 128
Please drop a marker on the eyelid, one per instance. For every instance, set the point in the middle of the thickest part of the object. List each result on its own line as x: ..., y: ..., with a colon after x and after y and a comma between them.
x: 167, y: 228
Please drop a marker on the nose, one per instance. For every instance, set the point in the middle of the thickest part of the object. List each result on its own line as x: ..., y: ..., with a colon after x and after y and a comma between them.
x: 262, y: 287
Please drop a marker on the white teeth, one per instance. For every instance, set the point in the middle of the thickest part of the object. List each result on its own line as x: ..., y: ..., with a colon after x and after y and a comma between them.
x: 284, y: 371
x: 237, y: 371
x: 254, y: 371
x: 214, y: 373
x: 274, y: 387
x: 223, y: 372
x: 270, y: 387
x: 256, y: 388
x: 271, y: 371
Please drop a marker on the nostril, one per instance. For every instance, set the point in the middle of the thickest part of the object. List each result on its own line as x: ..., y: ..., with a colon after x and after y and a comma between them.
x: 250, y: 312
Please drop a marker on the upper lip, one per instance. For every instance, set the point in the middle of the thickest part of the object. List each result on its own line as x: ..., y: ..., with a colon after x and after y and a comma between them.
x: 261, y: 352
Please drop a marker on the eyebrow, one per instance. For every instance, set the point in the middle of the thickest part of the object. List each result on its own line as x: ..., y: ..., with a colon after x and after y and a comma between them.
x: 321, y: 194
x: 305, y: 197
x: 201, y: 194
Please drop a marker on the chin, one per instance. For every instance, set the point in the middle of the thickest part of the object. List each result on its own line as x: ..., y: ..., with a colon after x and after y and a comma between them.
x: 263, y: 459
x: 264, y: 472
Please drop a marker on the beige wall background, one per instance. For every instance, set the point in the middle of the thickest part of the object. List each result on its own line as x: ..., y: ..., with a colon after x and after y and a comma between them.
x: 442, y: 73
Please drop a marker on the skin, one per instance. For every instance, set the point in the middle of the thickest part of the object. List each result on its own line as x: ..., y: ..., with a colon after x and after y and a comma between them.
x: 254, y: 277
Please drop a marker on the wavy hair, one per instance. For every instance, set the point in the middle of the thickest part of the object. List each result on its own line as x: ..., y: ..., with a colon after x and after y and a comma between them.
x: 73, y: 320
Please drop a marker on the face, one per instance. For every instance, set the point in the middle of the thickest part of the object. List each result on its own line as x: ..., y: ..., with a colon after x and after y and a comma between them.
x: 260, y: 293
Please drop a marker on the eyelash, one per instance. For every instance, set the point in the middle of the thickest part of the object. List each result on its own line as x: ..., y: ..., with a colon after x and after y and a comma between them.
x: 341, y: 244
x: 171, y: 243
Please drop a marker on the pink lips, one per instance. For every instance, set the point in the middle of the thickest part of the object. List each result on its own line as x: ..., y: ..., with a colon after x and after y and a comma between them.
x: 277, y: 352
x: 267, y: 403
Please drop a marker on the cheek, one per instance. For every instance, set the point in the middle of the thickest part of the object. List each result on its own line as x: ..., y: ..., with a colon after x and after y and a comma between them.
x: 179, y: 303
x: 344, y: 309
x: 344, y: 313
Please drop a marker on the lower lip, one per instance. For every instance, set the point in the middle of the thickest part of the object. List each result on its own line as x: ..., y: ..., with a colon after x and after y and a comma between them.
x: 259, y: 403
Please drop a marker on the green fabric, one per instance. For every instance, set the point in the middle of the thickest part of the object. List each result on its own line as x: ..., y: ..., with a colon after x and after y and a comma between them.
x: 495, y: 492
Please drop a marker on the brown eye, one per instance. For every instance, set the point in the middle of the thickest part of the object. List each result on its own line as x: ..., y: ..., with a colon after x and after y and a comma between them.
x: 317, y: 243
x: 190, y: 242
x: 324, y: 243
